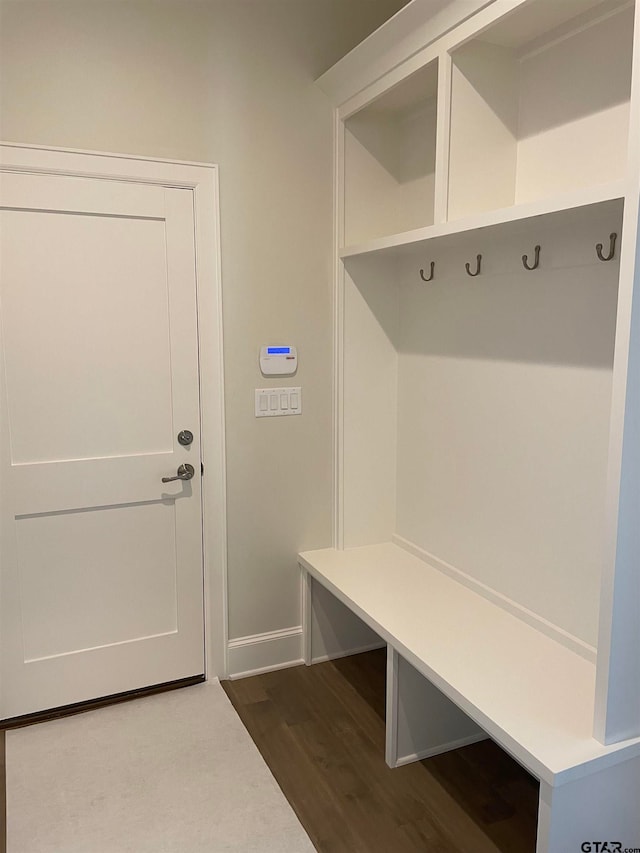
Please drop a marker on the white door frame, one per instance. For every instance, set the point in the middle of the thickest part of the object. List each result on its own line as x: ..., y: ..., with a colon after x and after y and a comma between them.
x: 202, y: 178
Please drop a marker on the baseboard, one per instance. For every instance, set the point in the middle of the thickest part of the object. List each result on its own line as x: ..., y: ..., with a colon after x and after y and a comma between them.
x: 438, y: 750
x: 273, y: 650
x: 345, y: 654
x: 538, y: 622
x: 266, y: 652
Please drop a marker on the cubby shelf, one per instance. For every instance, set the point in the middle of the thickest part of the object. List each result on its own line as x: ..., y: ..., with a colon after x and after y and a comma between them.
x: 390, y: 159
x: 530, y: 115
x: 576, y: 206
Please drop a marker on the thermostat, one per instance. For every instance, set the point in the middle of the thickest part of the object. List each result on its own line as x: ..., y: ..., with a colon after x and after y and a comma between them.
x: 278, y: 360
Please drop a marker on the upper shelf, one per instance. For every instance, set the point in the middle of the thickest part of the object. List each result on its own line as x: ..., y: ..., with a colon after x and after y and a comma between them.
x: 578, y: 205
x: 530, y: 117
x: 501, y: 117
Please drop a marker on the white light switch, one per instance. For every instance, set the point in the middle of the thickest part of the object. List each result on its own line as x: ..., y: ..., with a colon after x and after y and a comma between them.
x: 272, y: 402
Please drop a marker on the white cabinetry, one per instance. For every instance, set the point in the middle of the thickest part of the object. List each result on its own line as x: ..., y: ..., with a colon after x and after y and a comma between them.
x: 487, y: 423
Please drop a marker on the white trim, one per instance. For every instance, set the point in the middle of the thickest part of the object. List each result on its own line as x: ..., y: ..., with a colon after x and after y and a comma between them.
x: 306, y: 612
x: 338, y: 334
x: 346, y: 653
x: 443, y: 139
x: 265, y: 652
x: 26, y: 149
x: 266, y: 637
x: 213, y: 440
x: 391, y: 709
x: 438, y: 750
x: 261, y: 670
x: 538, y: 622
x: 202, y: 178
x: 408, y: 32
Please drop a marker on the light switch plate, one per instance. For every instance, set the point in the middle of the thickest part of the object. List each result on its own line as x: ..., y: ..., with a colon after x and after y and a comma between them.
x: 277, y: 402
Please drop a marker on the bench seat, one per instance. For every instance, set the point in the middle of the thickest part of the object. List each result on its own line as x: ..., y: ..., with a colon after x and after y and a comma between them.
x: 532, y: 695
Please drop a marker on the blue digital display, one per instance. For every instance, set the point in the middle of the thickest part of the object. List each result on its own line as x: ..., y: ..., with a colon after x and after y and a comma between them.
x: 278, y: 350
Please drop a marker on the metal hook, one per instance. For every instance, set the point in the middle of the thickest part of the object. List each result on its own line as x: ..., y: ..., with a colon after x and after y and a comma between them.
x: 536, y: 260
x: 612, y: 248
x: 478, y: 266
x: 422, y: 275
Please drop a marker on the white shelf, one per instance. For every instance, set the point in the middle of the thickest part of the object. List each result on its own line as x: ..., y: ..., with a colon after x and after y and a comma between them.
x: 529, y: 693
x: 586, y: 203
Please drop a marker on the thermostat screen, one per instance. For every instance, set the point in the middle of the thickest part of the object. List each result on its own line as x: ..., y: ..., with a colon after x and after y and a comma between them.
x: 278, y: 350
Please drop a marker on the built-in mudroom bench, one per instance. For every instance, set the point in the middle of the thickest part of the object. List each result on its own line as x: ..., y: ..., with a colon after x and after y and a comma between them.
x: 461, y: 668
x: 487, y: 394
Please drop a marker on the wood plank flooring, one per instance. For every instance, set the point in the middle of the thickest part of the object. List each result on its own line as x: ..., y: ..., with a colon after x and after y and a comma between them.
x: 321, y: 731
x: 3, y: 797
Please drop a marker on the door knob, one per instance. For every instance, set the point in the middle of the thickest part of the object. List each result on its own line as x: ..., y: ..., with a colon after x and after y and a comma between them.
x: 185, y: 472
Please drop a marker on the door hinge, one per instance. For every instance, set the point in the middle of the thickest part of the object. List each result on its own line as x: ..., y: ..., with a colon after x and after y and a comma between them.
x: 202, y: 469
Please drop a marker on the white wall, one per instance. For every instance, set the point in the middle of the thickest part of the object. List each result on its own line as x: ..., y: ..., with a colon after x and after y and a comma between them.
x: 507, y: 483
x: 225, y: 81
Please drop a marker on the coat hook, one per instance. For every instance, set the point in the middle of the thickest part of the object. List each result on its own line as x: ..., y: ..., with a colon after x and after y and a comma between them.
x: 536, y: 260
x: 612, y: 248
x: 478, y: 266
x: 428, y: 278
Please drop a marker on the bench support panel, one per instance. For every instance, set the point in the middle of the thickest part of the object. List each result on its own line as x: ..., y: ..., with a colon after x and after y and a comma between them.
x: 597, y: 808
x: 329, y: 629
x: 421, y: 721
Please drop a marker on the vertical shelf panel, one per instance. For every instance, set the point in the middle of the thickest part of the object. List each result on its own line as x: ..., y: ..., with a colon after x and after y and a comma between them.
x: 617, y: 701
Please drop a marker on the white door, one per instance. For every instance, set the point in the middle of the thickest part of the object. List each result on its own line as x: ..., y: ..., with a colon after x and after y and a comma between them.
x: 102, y: 577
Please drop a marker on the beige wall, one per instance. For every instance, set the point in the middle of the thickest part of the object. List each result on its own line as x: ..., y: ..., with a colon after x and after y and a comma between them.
x: 230, y: 82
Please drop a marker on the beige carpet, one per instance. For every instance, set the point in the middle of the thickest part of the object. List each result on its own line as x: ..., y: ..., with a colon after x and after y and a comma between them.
x: 173, y: 773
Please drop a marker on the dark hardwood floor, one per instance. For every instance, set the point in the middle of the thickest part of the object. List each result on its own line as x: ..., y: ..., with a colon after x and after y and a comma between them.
x: 3, y: 797
x: 321, y: 731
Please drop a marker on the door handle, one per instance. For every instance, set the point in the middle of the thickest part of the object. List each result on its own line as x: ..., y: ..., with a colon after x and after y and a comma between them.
x: 185, y: 472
